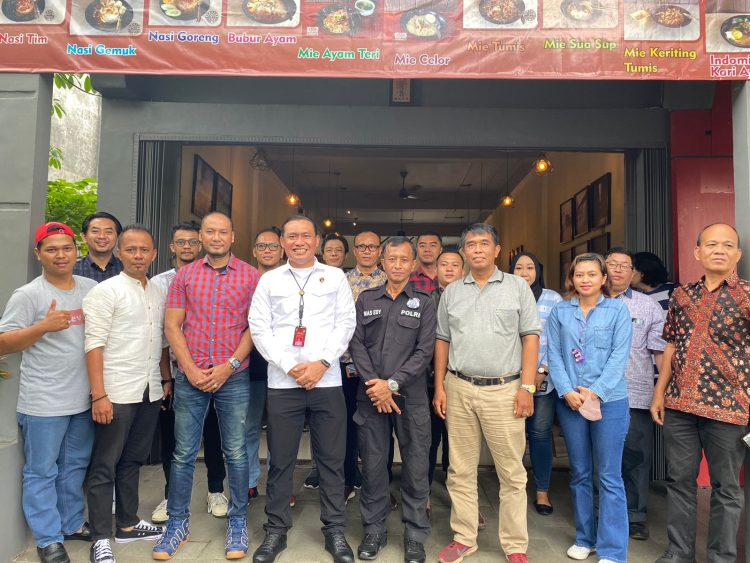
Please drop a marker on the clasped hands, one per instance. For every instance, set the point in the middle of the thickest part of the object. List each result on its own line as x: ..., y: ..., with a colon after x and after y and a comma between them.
x: 576, y: 398
x: 308, y: 374
x: 381, y: 396
x: 209, y: 380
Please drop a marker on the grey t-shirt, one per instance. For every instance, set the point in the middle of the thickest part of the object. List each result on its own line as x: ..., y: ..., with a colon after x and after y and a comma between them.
x: 53, y: 381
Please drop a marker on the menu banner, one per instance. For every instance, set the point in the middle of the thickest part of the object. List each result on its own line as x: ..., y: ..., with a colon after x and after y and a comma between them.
x: 543, y: 39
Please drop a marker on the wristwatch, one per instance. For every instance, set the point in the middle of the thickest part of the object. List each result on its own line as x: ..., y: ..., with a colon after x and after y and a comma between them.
x: 235, y: 363
x: 542, y: 371
x: 531, y: 388
x: 326, y: 363
x: 393, y: 386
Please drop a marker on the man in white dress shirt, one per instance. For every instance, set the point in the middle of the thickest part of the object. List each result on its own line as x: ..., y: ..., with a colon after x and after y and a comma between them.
x: 124, y: 342
x: 301, y: 320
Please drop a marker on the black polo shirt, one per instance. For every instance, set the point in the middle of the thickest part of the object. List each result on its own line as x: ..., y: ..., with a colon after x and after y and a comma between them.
x: 394, y: 338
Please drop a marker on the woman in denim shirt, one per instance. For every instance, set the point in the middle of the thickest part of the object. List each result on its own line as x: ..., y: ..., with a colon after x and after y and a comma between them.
x: 588, y: 344
x: 539, y: 425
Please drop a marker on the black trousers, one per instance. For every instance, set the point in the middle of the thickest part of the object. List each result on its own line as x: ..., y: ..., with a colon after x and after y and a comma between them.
x: 349, y: 386
x: 120, y: 449
x: 439, y: 433
x: 212, y: 454
x: 685, y: 436
x: 636, y: 463
x: 286, y: 417
x: 412, y: 429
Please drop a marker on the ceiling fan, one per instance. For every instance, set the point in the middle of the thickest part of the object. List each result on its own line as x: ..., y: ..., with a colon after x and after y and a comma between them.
x: 403, y: 192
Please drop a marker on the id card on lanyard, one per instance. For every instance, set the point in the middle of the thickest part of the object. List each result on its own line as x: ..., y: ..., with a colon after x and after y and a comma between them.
x: 298, y: 340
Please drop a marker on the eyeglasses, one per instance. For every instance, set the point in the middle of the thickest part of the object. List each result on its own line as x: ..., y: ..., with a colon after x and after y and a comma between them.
x: 184, y: 242
x: 619, y: 266
x: 267, y: 245
x: 363, y: 247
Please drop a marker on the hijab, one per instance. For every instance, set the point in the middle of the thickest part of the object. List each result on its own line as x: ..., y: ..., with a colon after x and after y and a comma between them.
x: 538, y: 285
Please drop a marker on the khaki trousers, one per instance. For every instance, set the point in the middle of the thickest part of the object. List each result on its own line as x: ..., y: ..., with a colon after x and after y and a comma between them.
x: 472, y: 412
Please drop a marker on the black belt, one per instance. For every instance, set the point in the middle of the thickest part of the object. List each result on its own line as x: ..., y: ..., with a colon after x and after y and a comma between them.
x: 474, y: 380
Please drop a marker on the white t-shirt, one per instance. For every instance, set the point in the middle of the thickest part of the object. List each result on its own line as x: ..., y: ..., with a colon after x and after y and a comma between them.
x: 53, y: 380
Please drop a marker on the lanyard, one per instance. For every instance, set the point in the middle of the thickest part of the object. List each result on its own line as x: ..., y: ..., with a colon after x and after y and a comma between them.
x: 301, y: 293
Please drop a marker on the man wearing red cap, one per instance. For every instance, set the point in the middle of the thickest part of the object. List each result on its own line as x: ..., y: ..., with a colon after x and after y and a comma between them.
x: 44, y: 320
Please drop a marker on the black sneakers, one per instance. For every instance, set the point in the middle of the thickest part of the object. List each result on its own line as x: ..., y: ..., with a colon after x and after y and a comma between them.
x: 413, y: 551
x: 53, y: 553
x: 141, y: 531
x: 337, y: 546
x: 272, y: 545
x: 371, y: 545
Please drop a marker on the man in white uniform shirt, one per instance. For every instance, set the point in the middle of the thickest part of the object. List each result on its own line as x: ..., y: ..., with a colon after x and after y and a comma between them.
x: 301, y: 320
x: 124, y: 342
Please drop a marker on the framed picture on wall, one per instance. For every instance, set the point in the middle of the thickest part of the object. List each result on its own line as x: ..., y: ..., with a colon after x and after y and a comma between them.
x: 601, y: 201
x: 566, y: 259
x: 202, y: 201
x: 581, y: 212
x: 566, y: 221
x: 599, y: 244
x: 223, y: 199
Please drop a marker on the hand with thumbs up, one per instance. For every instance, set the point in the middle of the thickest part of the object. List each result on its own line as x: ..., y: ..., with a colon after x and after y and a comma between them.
x: 55, y: 320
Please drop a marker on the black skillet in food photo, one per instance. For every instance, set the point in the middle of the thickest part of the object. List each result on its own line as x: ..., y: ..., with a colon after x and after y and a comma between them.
x: 269, y: 11
x: 581, y: 10
x: 109, y: 15
x: 424, y: 24
x: 501, y: 12
x: 671, y: 16
x: 338, y: 19
x: 736, y: 31
x: 22, y: 10
x: 184, y: 10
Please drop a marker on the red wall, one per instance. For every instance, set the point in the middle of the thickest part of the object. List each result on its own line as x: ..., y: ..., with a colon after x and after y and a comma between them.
x: 702, y: 176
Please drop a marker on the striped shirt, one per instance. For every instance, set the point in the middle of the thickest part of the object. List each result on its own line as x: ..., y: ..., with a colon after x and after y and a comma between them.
x: 216, y: 304
x: 87, y: 268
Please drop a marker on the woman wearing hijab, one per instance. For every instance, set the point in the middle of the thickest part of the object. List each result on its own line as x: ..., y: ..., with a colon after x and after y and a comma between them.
x: 539, y: 425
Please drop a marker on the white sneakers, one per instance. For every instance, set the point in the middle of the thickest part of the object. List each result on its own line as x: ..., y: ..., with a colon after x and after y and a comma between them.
x: 217, y: 505
x: 160, y: 515
x: 580, y: 553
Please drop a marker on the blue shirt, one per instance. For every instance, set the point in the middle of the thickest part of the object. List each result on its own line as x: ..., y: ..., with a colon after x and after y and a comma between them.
x: 547, y: 300
x: 603, y: 337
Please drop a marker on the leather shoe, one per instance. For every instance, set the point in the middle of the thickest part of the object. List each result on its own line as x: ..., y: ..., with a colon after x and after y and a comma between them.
x: 272, y: 545
x: 371, y: 545
x: 337, y: 546
x: 544, y: 509
x: 413, y: 551
x: 83, y: 535
x: 638, y: 531
x: 53, y: 553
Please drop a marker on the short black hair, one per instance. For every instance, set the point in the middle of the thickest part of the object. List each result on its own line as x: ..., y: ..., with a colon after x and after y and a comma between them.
x: 703, y: 230
x: 221, y: 214
x: 653, y: 271
x: 101, y: 215
x: 299, y: 218
x: 137, y: 228
x: 272, y: 229
x: 430, y: 234
x: 451, y: 250
x: 191, y: 226
x: 362, y: 232
x: 398, y: 241
x: 334, y: 236
x: 618, y: 250
x: 478, y: 229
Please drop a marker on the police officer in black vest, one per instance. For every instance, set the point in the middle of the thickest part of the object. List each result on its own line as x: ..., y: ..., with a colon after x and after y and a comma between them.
x: 392, y: 347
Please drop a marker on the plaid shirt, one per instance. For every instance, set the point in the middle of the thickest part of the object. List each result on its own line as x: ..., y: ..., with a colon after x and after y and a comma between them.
x: 711, y: 364
x: 87, y: 268
x: 422, y: 281
x: 360, y: 282
x: 216, y: 306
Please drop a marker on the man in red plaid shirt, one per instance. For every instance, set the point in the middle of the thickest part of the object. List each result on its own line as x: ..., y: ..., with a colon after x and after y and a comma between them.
x: 207, y: 328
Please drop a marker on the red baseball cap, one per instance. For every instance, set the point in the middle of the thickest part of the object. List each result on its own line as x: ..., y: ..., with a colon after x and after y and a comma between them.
x: 53, y: 228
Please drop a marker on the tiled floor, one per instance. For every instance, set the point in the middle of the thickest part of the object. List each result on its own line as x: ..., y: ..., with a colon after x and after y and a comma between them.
x: 549, y: 536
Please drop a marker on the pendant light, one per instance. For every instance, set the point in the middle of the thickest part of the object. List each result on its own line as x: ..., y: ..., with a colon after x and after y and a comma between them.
x: 507, y: 201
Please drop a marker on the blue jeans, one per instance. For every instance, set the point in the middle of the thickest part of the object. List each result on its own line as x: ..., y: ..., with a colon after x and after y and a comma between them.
x: 254, y: 421
x: 599, y: 443
x: 57, y: 451
x: 539, y: 430
x: 190, y: 407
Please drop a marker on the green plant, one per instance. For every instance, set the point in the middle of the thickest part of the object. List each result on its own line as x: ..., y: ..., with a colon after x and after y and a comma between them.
x: 71, y: 202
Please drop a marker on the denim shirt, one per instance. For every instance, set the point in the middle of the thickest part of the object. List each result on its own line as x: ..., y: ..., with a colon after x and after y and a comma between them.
x: 603, y: 337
